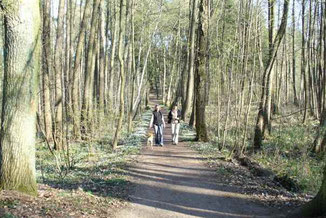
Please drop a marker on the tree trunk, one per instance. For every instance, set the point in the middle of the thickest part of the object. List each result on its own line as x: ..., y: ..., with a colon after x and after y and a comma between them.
x: 303, y: 62
x: 192, y: 120
x: 122, y: 74
x: 200, y: 71
x: 19, y: 102
x: 269, y: 82
x: 164, y: 75
x: 191, y: 44
x: 102, y: 61
x: 296, y: 102
x: 58, y: 53
x: 113, y: 51
x: 263, y: 115
x: 46, y: 69
x: 76, y: 71
x: 132, y: 67
x: 86, y: 118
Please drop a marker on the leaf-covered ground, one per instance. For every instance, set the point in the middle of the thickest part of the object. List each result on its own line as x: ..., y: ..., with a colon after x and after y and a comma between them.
x: 95, y: 184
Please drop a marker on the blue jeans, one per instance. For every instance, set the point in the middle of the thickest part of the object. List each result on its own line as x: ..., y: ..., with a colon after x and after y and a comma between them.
x: 158, y: 134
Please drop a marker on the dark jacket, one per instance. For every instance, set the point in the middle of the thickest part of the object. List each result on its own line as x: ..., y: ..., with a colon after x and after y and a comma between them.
x: 158, y: 118
x: 170, y: 116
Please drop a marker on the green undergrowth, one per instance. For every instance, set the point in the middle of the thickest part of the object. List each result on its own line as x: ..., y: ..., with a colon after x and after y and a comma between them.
x: 93, y: 168
x: 287, y: 152
x: 186, y: 133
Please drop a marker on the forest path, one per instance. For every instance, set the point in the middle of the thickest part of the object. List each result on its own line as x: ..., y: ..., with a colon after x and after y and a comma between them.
x: 173, y: 181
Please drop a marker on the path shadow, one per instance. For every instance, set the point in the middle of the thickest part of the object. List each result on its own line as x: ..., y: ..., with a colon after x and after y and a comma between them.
x: 227, y: 204
x: 172, y: 181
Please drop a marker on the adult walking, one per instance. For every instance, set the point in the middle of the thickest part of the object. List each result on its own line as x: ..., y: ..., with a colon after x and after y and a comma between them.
x: 174, y: 118
x: 157, y: 121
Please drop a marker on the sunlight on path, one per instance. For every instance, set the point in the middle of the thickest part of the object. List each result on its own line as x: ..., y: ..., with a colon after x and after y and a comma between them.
x: 172, y: 181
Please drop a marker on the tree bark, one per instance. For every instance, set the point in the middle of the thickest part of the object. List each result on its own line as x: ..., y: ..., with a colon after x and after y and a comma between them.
x: 46, y: 69
x: 122, y: 74
x: 58, y: 53
x: 19, y: 102
x: 303, y: 63
x: 102, y: 60
x: 200, y: 71
x: 113, y: 51
x: 76, y: 70
x: 263, y: 119
x: 296, y: 102
x: 132, y: 63
x: 86, y: 117
x: 191, y: 44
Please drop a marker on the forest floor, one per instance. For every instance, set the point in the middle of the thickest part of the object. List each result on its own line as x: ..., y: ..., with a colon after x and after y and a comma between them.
x: 183, y: 180
x: 95, y: 185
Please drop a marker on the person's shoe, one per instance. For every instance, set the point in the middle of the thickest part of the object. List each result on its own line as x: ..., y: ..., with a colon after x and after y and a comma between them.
x: 161, y: 145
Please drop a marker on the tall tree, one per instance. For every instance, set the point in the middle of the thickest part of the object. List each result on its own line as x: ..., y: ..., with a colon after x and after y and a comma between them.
x: 263, y: 117
x: 102, y: 57
x: 46, y: 69
x: 122, y: 73
x: 58, y: 53
x: 296, y: 102
x: 76, y: 68
x: 86, y: 115
x: 132, y: 64
x: 113, y: 51
x: 304, y: 61
x: 191, y: 48
x: 201, y: 72
x: 19, y: 103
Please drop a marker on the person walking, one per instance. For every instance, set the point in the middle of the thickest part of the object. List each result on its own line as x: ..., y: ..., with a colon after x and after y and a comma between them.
x: 157, y: 121
x: 174, y: 118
